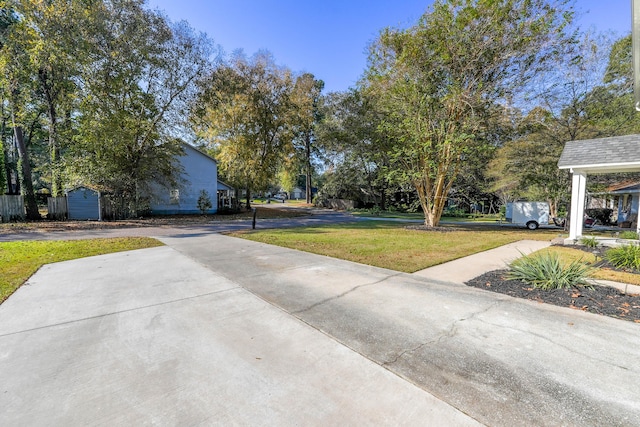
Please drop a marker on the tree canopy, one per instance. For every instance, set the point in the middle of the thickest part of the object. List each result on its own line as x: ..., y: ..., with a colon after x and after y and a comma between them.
x: 108, y: 82
x: 245, y: 115
x: 441, y: 80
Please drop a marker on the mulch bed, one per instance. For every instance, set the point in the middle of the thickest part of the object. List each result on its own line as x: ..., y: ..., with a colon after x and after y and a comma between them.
x: 444, y: 229
x: 600, y: 300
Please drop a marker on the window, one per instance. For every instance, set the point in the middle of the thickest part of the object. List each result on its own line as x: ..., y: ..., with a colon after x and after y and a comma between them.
x: 174, y: 197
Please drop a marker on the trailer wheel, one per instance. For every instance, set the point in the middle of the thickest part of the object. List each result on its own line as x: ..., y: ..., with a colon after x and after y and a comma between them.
x: 532, y: 225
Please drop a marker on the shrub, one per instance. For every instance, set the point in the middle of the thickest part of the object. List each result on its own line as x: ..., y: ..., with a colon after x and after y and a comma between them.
x: 601, y: 214
x: 204, y: 202
x: 546, y: 271
x: 625, y: 256
x: 226, y: 210
x: 454, y: 212
x: 632, y: 235
x: 590, y: 242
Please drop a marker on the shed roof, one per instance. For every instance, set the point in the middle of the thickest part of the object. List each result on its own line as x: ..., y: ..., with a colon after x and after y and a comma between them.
x: 602, y: 155
x: 224, y: 186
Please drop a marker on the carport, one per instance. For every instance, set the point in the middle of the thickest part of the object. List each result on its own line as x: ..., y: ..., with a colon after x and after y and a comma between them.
x: 616, y: 154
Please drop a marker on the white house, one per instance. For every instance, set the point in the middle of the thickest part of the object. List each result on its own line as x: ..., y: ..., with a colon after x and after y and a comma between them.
x: 623, y: 199
x: 200, y: 172
x: 596, y: 156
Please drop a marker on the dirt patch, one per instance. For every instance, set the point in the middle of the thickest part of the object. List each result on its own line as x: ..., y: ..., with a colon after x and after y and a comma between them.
x: 602, y: 300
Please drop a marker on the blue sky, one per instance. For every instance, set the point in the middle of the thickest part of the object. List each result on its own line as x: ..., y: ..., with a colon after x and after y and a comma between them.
x: 329, y: 37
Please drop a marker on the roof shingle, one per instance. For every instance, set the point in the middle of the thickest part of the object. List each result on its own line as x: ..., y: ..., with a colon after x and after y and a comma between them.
x: 601, y: 151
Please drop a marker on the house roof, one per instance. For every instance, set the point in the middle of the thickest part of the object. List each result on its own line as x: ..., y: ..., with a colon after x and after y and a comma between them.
x: 224, y: 186
x: 623, y: 185
x: 602, y: 155
x: 197, y: 150
x: 83, y: 187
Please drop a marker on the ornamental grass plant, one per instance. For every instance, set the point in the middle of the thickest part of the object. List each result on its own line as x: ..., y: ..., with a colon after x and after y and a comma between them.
x: 590, y: 242
x: 625, y: 256
x: 630, y: 235
x: 546, y: 271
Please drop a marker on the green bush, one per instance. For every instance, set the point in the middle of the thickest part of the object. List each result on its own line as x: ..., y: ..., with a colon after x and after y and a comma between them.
x: 590, y: 242
x: 454, y: 212
x: 632, y: 235
x: 545, y: 271
x: 204, y: 202
x: 603, y: 215
x: 625, y: 256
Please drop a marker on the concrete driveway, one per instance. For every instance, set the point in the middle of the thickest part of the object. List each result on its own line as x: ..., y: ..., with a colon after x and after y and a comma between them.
x: 212, y: 330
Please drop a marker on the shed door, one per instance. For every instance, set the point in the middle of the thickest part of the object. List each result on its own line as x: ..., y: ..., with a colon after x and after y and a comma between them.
x: 83, y: 204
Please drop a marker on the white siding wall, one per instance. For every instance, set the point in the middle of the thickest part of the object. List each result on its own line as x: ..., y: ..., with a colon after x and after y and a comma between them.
x: 200, y: 173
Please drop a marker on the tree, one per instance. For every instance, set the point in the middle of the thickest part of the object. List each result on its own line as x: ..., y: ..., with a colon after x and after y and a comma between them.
x: 134, y: 90
x: 50, y: 40
x: 354, y: 151
x: 588, y: 95
x: 306, y: 109
x: 204, y: 202
x: 245, y: 114
x: 17, y: 87
x: 441, y: 80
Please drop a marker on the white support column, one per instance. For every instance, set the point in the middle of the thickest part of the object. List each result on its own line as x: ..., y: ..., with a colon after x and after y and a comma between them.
x: 578, y: 193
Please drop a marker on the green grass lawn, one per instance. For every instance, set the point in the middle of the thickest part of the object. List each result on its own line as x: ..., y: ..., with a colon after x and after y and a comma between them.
x: 390, y: 245
x: 19, y: 260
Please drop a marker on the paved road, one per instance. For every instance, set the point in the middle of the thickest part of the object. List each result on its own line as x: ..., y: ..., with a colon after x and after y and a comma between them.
x: 316, y: 217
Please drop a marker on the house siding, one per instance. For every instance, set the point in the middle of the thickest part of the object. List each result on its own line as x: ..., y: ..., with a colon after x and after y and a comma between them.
x: 200, y: 173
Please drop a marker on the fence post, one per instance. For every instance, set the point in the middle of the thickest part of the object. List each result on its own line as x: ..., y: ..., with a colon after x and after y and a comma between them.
x: 253, y: 225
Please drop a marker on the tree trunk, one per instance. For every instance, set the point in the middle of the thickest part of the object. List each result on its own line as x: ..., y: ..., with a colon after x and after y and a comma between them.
x: 383, y: 195
x: 27, y: 183
x: 54, y: 149
x: 5, y: 159
x: 308, y: 167
x: 7, y: 168
x: 424, y: 203
x: 248, y: 204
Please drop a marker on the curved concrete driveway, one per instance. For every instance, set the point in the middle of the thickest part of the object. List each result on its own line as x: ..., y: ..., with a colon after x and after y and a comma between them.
x: 212, y: 330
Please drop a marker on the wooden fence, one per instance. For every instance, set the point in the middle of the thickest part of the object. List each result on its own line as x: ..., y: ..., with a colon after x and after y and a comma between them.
x: 57, y: 208
x: 11, y: 208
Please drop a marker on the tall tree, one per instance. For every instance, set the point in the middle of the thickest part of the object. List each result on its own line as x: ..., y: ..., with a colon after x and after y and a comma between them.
x: 17, y: 89
x: 441, y: 80
x: 141, y: 73
x: 353, y: 149
x: 50, y: 38
x: 588, y: 95
x: 245, y: 113
x: 306, y: 103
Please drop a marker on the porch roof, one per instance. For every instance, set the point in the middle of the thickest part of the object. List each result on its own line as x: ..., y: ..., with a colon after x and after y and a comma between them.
x: 603, y: 155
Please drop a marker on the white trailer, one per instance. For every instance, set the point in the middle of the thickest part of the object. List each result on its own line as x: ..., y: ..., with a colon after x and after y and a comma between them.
x: 529, y: 214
